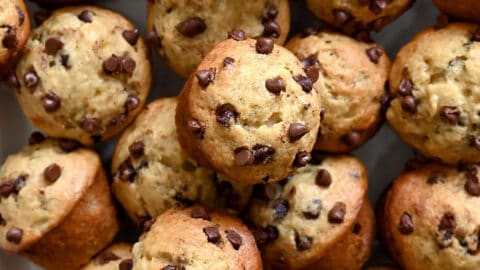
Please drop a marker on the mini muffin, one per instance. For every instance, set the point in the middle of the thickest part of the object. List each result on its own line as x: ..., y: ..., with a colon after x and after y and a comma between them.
x: 298, y: 221
x: 353, y: 16
x: 353, y: 251
x: 352, y: 80
x: 152, y: 173
x: 431, y: 217
x: 56, y: 207
x: 115, y: 257
x: 249, y: 111
x: 464, y: 10
x: 195, y: 239
x: 435, y: 105
x: 84, y: 74
x: 183, y: 32
x: 14, y: 30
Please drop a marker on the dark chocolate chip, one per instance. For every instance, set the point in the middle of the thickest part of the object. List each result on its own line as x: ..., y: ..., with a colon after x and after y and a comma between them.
x: 234, y: 238
x: 374, y: 53
x: 405, y: 87
x: 191, y: 26
x: 305, y: 82
x: 52, y: 173
x: 36, y: 138
x: 377, y: 6
x: 450, y: 114
x: 280, y: 208
x: 153, y: 39
x: 136, y: 149
x: 314, y: 211
x: 205, y: 77
x: 323, y: 178
x: 337, y: 213
x: 106, y: 257
x: 405, y: 225
x: 68, y: 145
x: 264, y: 45
x: 21, y: 16
x: 296, y: 131
x: 200, y: 212
x: 131, y: 36
x: 170, y: 267
x: 51, y: 102
x: 91, y: 124
x: 341, y: 17
x: 147, y: 224
x: 2, y: 221
x: 228, y: 61
x: 126, y: 172
x: 270, y: 12
x: 131, y: 103
x: 301, y: 159
x: 31, y: 79
x: 40, y: 16
x: 196, y: 129
x: 237, y: 35
x: 53, y: 45
x: 85, y: 16
x: 127, y: 65
x: 212, y: 233
x: 313, y: 72
x: 14, y: 235
x: 126, y: 264
x: 385, y: 101
x: 7, y: 188
x: 303, y: 242
x: 352, y: 138
x: 409, y: 104
x: 472, y: 186
x: 275, y: 85
x: 64, y: 60
x: 10, y: 40
x: 263, y: 154
x: 271, y: 29
x: 243, y: 156
x: 111, y: 64
x: 12, y: 80
x: 448, y: 223
x: 357, y: 227
x: 225, y: 113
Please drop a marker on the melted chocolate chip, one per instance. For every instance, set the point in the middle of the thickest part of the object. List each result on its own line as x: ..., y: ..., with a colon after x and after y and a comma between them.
x: 53, y: 45
x: 126, y: 264
x: 374, y: 53
x: 52, y: 173
x: 296, y: 131
x: 191, y: 26
x: 234, y: 238
x: 275, y: 85
x: 337, y: 213
x: 212, y: 233
x: 243, y: 156
x: 85, y: 16
x: 313, y: 72
x: 237, y: 35
x: 323, y: 178
x: 405, y: 225
x: 36, y: 138
x: 225, y: 113
x: 126, y: 172
x: 301, y: 159
x: 264, y: 45
x: 303, y: 242
x: 263, y: 154
x: 31, y: 79
x: 131, y: 36
x: 310, y: 31
x: 305, y: 82
x: 448, y: 223
x: 280, y: 208
x: 14, y: 235
x: 450, y: 114
x: 205, y: 77
x: 196, y: 129
x: 136, y: 149
x: 51, y: 102
x: 200, y: 212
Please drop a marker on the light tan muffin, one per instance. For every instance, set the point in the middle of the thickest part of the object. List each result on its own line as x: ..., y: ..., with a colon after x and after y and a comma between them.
x: 183, y: 32
x: 249, y: 111
x: 195, y: 239
x: 351, y: 84
x: 14, y: 30
x: 464, y: 10
x: 115, y: 257
x: 353, y: 251
x: 84, y: 74
x: 435, y: 105
x: 152, y: 173
x: 298, y: 221
x: 353, y: 16
x: 55, y: 207
x: 431, y: 218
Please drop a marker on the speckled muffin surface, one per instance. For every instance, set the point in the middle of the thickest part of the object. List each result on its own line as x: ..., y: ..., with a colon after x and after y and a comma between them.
x: 433, y: 83
x: 116, y: 257
x: 351, y: 84
x: 195, y: 239
x: 298, y: 221
x: 249, y: 111
x: 84, y: 74
x: 466, y: 9
x: 431, y: 218
x: 183, y: 32
x: 353, y: 16
x: 152, y: 173
x: 14, y: 30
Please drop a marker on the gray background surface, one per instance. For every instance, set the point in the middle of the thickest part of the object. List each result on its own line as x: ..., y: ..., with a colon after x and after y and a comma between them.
x: 384, y: 155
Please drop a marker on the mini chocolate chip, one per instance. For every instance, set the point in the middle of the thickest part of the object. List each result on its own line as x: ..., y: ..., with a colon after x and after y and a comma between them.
x: 272, y: 29
x: 106, y: 257
x: 21, y: 16
x: 237, y: 35
x: 126, y: 172
x: 450, y: 114
x: 448, y: 223
x: 136, y: 149
x: 53, y: 45
x: 263, y: 154
x: 228, y: 61
x: 36, y: 138
x: 200, y: 212
x: 472, y: 186
x: 296, y: 131
x: 85, y: 16
x: 196, y: 129
x: 264, y: 45
x: 405, y: 225
x: 205, y: 77
x: 409, y: 104
x: 212, y: 233
x: 234, y: 238
x: 191, y: 26
x: 243, y: 156
x: 12, y: 80
x: 126, y: 264
x: 275, y: 85
x: 127, y: 65
x: 303, y: 242
x: 225, y: 113
x: 40, y: 16
x: 270, y: 12
x: 301, y: 159
x: 357, y: 227
x: 280, y: 208
x: 341, y: 17
x: 405, y: 87
x: 52, y: 173
x: 153, y: 39
x: 304, y: 82
x: 51, y: 102
x: 14, y: 235
x: 111, y: 64
x: 352, y: 138
x: 2, y: 221
x: 314, y: 212
x: 10, y: 40
x: 377, y: 6
x: 91, y: 124
x: 131, y: 36
x: 7, y: 188
x: 64, y: 60
x: 31, y: 79
x: 147, y: 224
x: 374, y: 53
x: 68, y: 145
x: 131, y: 103
x: 337, y: 213
x: 323, y: 178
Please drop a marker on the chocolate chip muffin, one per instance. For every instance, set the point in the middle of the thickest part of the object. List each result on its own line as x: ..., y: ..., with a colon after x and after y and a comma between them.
x: 55, y: 207
x: 352, y: 252
x: 298, y: 221
x: 463, y: 10
x: 183, y: 32
x: 431, y: 218
x: 432, y: 82
x: 249, y: 111
x: 152, y: 173
x: 116, y: 257
x: 195, y: 239
x: 84, y: 74
x: 355, y: 16
x: 351, y: 84
x: 14, y: 30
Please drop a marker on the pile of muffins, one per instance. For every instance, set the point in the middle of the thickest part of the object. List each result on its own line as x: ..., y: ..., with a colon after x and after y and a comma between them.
x: 249, y: 166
